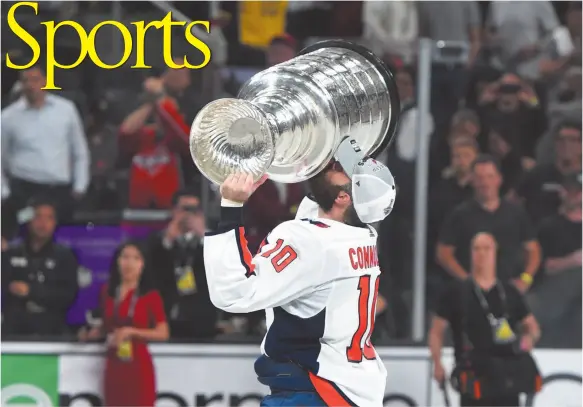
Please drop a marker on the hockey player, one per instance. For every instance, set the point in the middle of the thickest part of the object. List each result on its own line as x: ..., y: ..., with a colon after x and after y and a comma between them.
x: 317, y: 278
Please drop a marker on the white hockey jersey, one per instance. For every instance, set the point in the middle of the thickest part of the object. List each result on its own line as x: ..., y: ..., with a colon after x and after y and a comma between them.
x: 317, y: 280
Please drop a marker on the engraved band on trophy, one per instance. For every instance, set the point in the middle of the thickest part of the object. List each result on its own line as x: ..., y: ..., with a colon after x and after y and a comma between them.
x: 288, y: 120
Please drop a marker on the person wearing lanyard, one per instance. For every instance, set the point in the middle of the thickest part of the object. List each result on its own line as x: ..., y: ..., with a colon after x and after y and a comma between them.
x: 179, y: 271
x: 133, y: 315
x: 491, y: 325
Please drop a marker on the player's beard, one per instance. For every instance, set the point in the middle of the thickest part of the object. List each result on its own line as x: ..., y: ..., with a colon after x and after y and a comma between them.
x: 351, y: 217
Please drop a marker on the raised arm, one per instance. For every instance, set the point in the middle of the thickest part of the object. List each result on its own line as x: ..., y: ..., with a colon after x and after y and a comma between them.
x: 288, y: 264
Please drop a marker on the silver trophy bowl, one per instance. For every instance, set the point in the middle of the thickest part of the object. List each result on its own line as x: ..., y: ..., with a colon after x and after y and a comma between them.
x: 288, y: 120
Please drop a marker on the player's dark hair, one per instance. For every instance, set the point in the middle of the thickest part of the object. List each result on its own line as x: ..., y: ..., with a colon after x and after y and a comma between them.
x: 145, y: 285
x: 322, y: 191
x: 486, y: 159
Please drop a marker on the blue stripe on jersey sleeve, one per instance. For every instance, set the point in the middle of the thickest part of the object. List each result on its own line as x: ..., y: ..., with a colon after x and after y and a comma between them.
x: 295, y: 339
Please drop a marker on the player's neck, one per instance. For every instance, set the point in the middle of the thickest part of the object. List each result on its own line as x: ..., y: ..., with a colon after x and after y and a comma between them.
x: 332, y: 215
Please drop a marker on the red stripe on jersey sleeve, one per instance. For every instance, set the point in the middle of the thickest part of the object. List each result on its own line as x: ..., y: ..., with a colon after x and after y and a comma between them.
x: 244, y: 252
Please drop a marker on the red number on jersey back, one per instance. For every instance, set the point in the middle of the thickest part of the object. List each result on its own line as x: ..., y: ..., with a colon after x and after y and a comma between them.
x: 366, y: 318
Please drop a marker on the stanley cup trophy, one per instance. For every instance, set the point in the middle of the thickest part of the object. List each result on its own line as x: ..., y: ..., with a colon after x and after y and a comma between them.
x: 289, y: 120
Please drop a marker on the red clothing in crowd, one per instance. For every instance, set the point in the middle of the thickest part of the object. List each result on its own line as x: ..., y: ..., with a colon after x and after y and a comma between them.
x: 265, y: 210
x: 131, y: 381
x: 155, y: 173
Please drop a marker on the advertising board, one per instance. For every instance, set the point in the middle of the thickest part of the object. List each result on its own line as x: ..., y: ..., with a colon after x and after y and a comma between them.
x: 222, y: 375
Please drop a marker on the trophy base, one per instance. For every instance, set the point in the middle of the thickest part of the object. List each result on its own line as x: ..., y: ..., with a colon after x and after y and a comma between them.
x: 234, y: 136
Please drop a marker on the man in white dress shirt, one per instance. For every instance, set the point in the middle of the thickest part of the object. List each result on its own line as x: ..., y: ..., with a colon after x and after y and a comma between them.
x: 44, y: 149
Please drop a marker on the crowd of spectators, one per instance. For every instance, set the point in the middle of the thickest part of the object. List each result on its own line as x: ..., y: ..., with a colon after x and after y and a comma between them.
x: 505, y: 158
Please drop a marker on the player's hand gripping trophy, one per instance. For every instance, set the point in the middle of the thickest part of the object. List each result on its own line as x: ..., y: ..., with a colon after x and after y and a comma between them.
x: 335, y: 100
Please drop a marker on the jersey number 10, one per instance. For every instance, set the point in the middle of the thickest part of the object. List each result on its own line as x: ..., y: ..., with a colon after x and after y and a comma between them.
x: 366, y: 318
x: 285, y: 256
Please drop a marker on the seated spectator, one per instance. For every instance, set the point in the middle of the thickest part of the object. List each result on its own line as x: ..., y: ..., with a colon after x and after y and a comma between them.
x: 514, y: 102
x: 155, y: 147
x: 540, y: 187
x: 179, y: 272
x: 39, y: 279
x: 44, y: 150
x: 560, y: 282
x: 519, y: 252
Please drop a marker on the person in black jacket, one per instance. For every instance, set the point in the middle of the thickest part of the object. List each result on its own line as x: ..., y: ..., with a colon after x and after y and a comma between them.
x: 39, y: 279
x: 178, y: 267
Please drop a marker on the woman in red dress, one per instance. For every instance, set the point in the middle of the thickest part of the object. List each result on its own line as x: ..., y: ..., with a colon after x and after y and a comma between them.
x: 133, y: 315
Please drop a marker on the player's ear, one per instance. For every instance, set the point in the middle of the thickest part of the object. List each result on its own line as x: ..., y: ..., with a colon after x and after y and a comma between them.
x: 343, y: 198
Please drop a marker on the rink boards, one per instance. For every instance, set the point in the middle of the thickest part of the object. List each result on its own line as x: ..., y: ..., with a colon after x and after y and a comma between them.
x: 222, y: 375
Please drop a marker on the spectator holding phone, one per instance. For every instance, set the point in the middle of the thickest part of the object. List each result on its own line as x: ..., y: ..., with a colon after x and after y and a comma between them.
x: 133, y: 315
x: 513, y: 102
x: 177, y: 255
x: 156, y: 137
